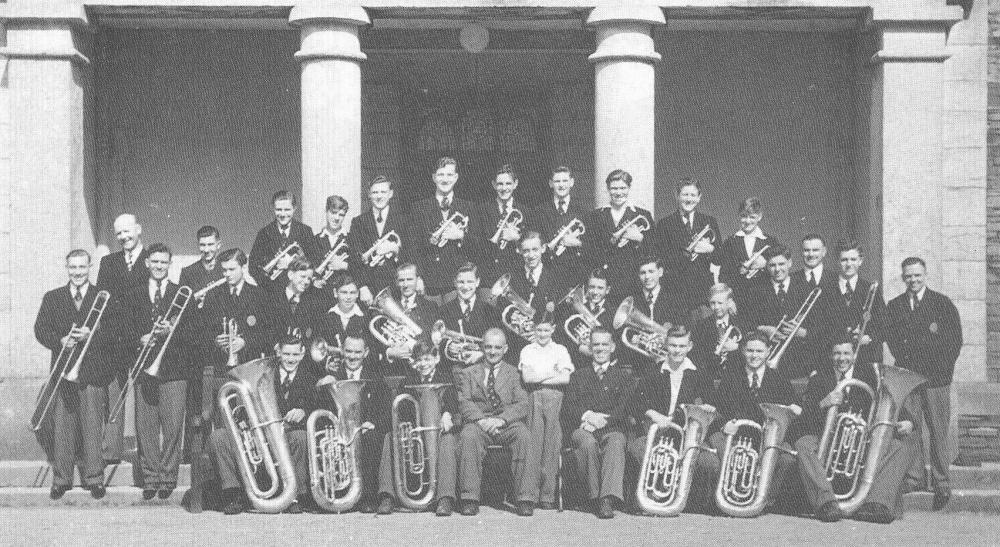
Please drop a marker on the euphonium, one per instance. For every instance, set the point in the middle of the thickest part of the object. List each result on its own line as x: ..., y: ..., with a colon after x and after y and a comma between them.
x: 458, y: 347
x: 249, y: 403
x: 854, y: 441
x: 292, y: 251
x: 749, y: 459
x: 519, y: 315
x: 335, y: 478
x: 457, y: 219
x: 575, y: 226
x: 67, y: 365
x: 392, y: 326
x: 512, y: 219
x: 372, y: 257
x: 705, y: 232
x: 579, y: 325
x: 415, y: 445
x: 639, y: 221
x: 668, y: 464
x: 780, y: 341
x: 641, y: 333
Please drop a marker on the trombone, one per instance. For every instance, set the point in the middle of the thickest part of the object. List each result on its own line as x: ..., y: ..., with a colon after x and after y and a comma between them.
x: 575, y: 226
x: 292, y: 251
x: 373, y: 258
x: 512, y: 219
x: 639, y: 221
x: 866, y: 317
x: 780, y: 341
x: 456, y: 219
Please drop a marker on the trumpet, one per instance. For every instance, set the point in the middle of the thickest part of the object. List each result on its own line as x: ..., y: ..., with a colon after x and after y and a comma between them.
x: 512, y: 219
x: 335, y: 478
x: 579, y: 325
x: 458, y: 347
x: 639, y: 221
x: 749, y: 459
x: 705, y: 232
x: 340, y: 249
x: 731, y: 334
x: 67, y: 365
x: 866, y: 317
x: 779, y: 341
x: 575, y: 226
x: 249, y: 403
x: 519, y: 315
x: 153, y: 350
x: 201, y: 293
x: 667, y: 469
x: 457, y: 219
x: 749, y: 271
x: 392, y: 326
x: 292, y: 251
x: 642, y: 333
x: 330, y: 355
x: 373, y: 258
x: 414, y: 446
x: 231, y: 330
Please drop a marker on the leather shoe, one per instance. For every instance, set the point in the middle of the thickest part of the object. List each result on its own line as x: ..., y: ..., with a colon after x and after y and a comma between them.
x: 366, y: 507
x: 547, y: 506
x: 829, y: 512
x: 234, y: 507
x: 164, y: 493
x: 470, y: 508
x: 97, y: 491
x: 148, y: 494
x: 525, y: 509
x: 941, y: 497
x: 605, y: 509
x: 293, y: 509
x: 385, y: 506
x: 444, y: 507
x: 874, y: 512
x: 57, y: 491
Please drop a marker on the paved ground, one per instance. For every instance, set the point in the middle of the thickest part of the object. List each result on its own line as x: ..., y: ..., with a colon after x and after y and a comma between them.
x: 118, y: 520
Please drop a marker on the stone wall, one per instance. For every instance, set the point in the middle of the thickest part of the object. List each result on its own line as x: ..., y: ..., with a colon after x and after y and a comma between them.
x: 993, y: 197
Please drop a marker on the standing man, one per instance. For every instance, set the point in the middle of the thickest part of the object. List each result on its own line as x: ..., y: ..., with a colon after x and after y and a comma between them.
x: 204, y: 271
x: 80, y: 406
x: 849, y: 301
x: 275, y: 237
x: 469, y: 314
x: 332, y: 236
x: 814, y: 274
x: 552, y: 216
x: 497, y: 261
x: 370, y: 227
x: 924, y: 332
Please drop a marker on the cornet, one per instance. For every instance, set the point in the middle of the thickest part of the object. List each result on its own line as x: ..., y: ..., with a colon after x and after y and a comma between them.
x: 340, y: 249
x: 749, y: 271
x: 292, y: 251
x: 329, y: 355
x: 512, y: 219
x: 705, y: 232
x: 519, y: 315
x: 732, y: 334
x: 639, y: 221
x: 458, y: 347
x: 456, y: 219
x: 575, y: 226
x: 373, y: 258
x: 231, y: 330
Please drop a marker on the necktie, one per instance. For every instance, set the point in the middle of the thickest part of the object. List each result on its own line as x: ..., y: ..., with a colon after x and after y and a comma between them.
x: 755, y: 387
x: 158, y: 296
x: 466, y: 308
x: 232, y: 292
x: 445, y: 204
x: 492, y: 397
x: 294, y: 301
x: 129, y: 261
x: 689, y: 223
x: 812, y: 278
x: 914, y: 302
x: 649, y: 301
x: 562, y: 206
x: 284, y: 232
x: 285, y: 384
x: 848, y: 294
x: 600, y: 372
x: 77, y: 297
x: 378, y: 217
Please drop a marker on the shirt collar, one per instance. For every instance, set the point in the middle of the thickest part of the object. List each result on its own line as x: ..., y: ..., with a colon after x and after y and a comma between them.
x: 289, y: 375
x: 555, y: 201
x: 817, y: 271
x: 471, y: 303
x: 83, y: 288
x: 759, y: 372
x: 845, y: 282
x: 135, y: 254
x: 238, y: 288
x: 655, y: 292
x: 450, y: 197
x: 332, y: 236
x: 154, y: 284
x: 685, y: 366
x: 289, y: 293
x: 920, y: 294
x: 756, y: 233
x: 784, y: 284
x: 384, y: 211
x: 604, y: 368
x: 346, y: 315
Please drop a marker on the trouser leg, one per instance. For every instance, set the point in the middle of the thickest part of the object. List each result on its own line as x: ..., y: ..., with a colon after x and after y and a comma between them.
x: 473, y: 442
x: 171, y: 412
x: 66, y: 418
x: 385, y: 469
x: 612, y: 464
x: 585, y: 449
x: 812, y: 472
x: 518, y: 438
x: 225, y: 455
x: 369, y: 444
x: 447, y: 465
x: 551, y: 445
x: 298, y: 450
x: 93, y: 406
x: 113, y: 445
x: 938, y: 415
x: 147, y: 431
x: 887, y: 488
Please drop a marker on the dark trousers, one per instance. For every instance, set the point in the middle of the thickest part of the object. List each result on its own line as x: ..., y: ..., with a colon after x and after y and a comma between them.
x: 159, y: 411
x: 892, y: 468
x: 113, y: 446
x: 447, y: 466
x: 473, y: 451
x: 226, y: 456
x: 79, y: 421
x: 600, y: 461
x: 931, y: 408
x: 813, y: 473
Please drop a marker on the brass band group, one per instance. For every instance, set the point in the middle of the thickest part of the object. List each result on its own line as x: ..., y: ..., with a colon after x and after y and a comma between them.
x: 654, y: 366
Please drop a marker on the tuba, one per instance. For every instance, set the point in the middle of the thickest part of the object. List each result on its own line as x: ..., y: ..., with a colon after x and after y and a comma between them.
x: 642, y: 334
x: 414, y: 445
x: 457, y: 347
x: 249, y: 403
x: 68, y: 362
x: 392, y: 326
x: 668, y: 464
x: 335, y: 478
x: 855, y: 438
x: 152, y: 352
x: 575, y: 226
x: 456, y: 219
x: 292, y: 251
x: 519, y: 315
x: 372, y: 257
x: 779, y: 342
x: 578, y: 325
x: 639, y: 221
x: 512, y: 219
x: 705, y: 232
x: 749, y: 459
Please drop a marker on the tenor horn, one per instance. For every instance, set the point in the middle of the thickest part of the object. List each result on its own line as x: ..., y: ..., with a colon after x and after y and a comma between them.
x: 512, y: 219
x: 392, y: 326
x: 518, y: 316
x: 639, y: 221
x: 415, y: 444
x: 667, y: 468
x: 705, y: 232
x: 575, y: 226
x: 641, y: 333
x: 372, y: 257
x: 455, y: 219
x: 292, y: 251
x: 335, y: 478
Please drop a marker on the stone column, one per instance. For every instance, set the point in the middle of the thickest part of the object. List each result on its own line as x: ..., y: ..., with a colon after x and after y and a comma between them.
x: 48, y: 173
x: 624, y: 90
x: 331, y: 56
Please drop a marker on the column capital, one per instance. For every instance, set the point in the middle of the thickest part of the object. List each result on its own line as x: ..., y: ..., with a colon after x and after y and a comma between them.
x: 913, y: 35
x: 329, y: 30
x: 45, y: 31
x: 624, y: 32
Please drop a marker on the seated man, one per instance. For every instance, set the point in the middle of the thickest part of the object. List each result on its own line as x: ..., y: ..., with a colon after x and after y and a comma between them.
x: 494, y: 410
x: 295, y: 388
x: 884, y: 502
x: 594, y: 416
x: 425, y: 370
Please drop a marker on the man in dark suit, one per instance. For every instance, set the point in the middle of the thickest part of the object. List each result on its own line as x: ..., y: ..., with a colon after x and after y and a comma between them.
x: 333, y: 236
x: 79, y: 406
x: 295, y: 388
x: 276, y: 236
x: 300, y: 307
x: 733, y: 256
x: 594, y: 417
x: 496, y: 260
x: 535, y: 282
x: 551, y: 216
x: 598, y: 306
x: 615, y: 239
x: 494, y: 408
x: 425, y: 370
x: 439, y: 253
x: 924, y: 333
x: 653, y: 300
x: 468, y: 313
x: 420, y: 310
x: 368, y: 228
x: 204, y: 271
x: 160, y: 401
x: 673, y: 236
x: 849, y: 303
x: 815, y: 274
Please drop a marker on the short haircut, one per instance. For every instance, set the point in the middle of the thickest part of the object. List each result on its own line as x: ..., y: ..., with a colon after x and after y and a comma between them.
x: 380, y: 179
x: 755, y: 335
x: 688, y: 181
x: 77, y: 252
x: 562, y: 169
x: 678, y: 331
x: 814, y: 237
x: 283, y: 195
x: 722, y: 288
x: 407, y: 266
x: 467, y: 267
x: 335, y: 204
x: 291, y: 340
x: 506, y: 169
x: 528, y: 236
x: 423, y: 347
x: 357, y: 334
x: 299, y: 264
x: 650, y: 259
x: 913, y: 260
x: 618, y: 174
x: 233, y: 254
x: 159, y: 248
x: 750, y: 206
x: 342, y: 280
x: 850, y: 245
x: 208, y: 231
x: 597, y: 273
x: 844, y: 337
x: 776, y: 250
x: 445, y: 162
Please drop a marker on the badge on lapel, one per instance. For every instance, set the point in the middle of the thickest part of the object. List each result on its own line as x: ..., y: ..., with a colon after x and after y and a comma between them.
x: 933, y: 328
x: 251, y: 320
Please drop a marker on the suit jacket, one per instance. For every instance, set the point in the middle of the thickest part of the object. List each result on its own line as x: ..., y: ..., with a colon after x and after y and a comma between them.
x: 364, y: 234
x: 731, y: 255
x: 308, y: 316
x: 197, y: 277
x: 449, y: 396
x: 621, y: 263
x: 605, y: 315
x: 267, y: 244
x: 666, y: 308
x: 438, y: 265
x: 301, y: 393
x: 846, y: 312
x: 115, y: 277
x: 547, y: 220
x: 927, y: 340
x: 705, y: 337
x: 820, y: 385
x: 733, y: 398
x: 494, y: 261
x: 139, y: 312
x: 763, y: 307
x: 613, y: 395
x: 551, y: 287
x: 670, y: 241
x: 255, y: 323
x: 58, y: 314
x: 472, y: 400
x: 653, y: 391
x: 482, y: 317
x: 374, y: 403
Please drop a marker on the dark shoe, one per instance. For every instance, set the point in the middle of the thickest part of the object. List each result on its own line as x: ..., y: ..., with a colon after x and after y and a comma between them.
x: 605, y: 509
x: 444, y: 507
x: 525, y: 508
x: 164, y: 493
x: 912, y: 487
x: 385, y: 506
x: 148, y: 494
x: 97, y: 491
x: 829, y: 512
x: 293, y: 509
x: 57, y: 491
x: 874, y: 512
x: 941, y: 497
x: 366, y: 507
x: 234, y: 507
x: 546, y: 506
x: 470, y: 508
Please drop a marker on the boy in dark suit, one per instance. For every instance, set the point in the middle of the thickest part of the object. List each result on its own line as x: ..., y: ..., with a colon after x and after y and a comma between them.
x: 495, y: 260
x: 549, y: 219
x: 276, y: 236
x: 368, y: 228
x: 468, y: 313
x: 333, y: 236
x: 733, y: 256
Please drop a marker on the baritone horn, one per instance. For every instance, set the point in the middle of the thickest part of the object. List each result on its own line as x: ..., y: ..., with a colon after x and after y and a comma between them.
x: 780, y: 341
x: 292, y: 251
x: 249, y: 403
x: 579, y: 325
x: 668, y: 463
x: 374, y: 258
x: 749, y: 460
x: 518, y: 316
x: 575, y: 226
x: 335, y: 478
x: 392, y: 326
x: 641, y: 333
x: 639, y: 221
x: 415, y: 431
x: 457, y: 220
x: 512, y: 219
x: 457, y: 346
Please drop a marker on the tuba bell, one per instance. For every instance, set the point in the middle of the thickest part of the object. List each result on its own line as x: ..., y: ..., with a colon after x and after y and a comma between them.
x: 579, y: 325
x: 250, y: 406
x: 415, y: 434
x: 392, y: 326
x: 519, y: 315
x: 667, y: 468
x: 641, y: 334
x: 456, y: 346
x: 749, y: 459
x: 855, y: 437
x: 334, y: 475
